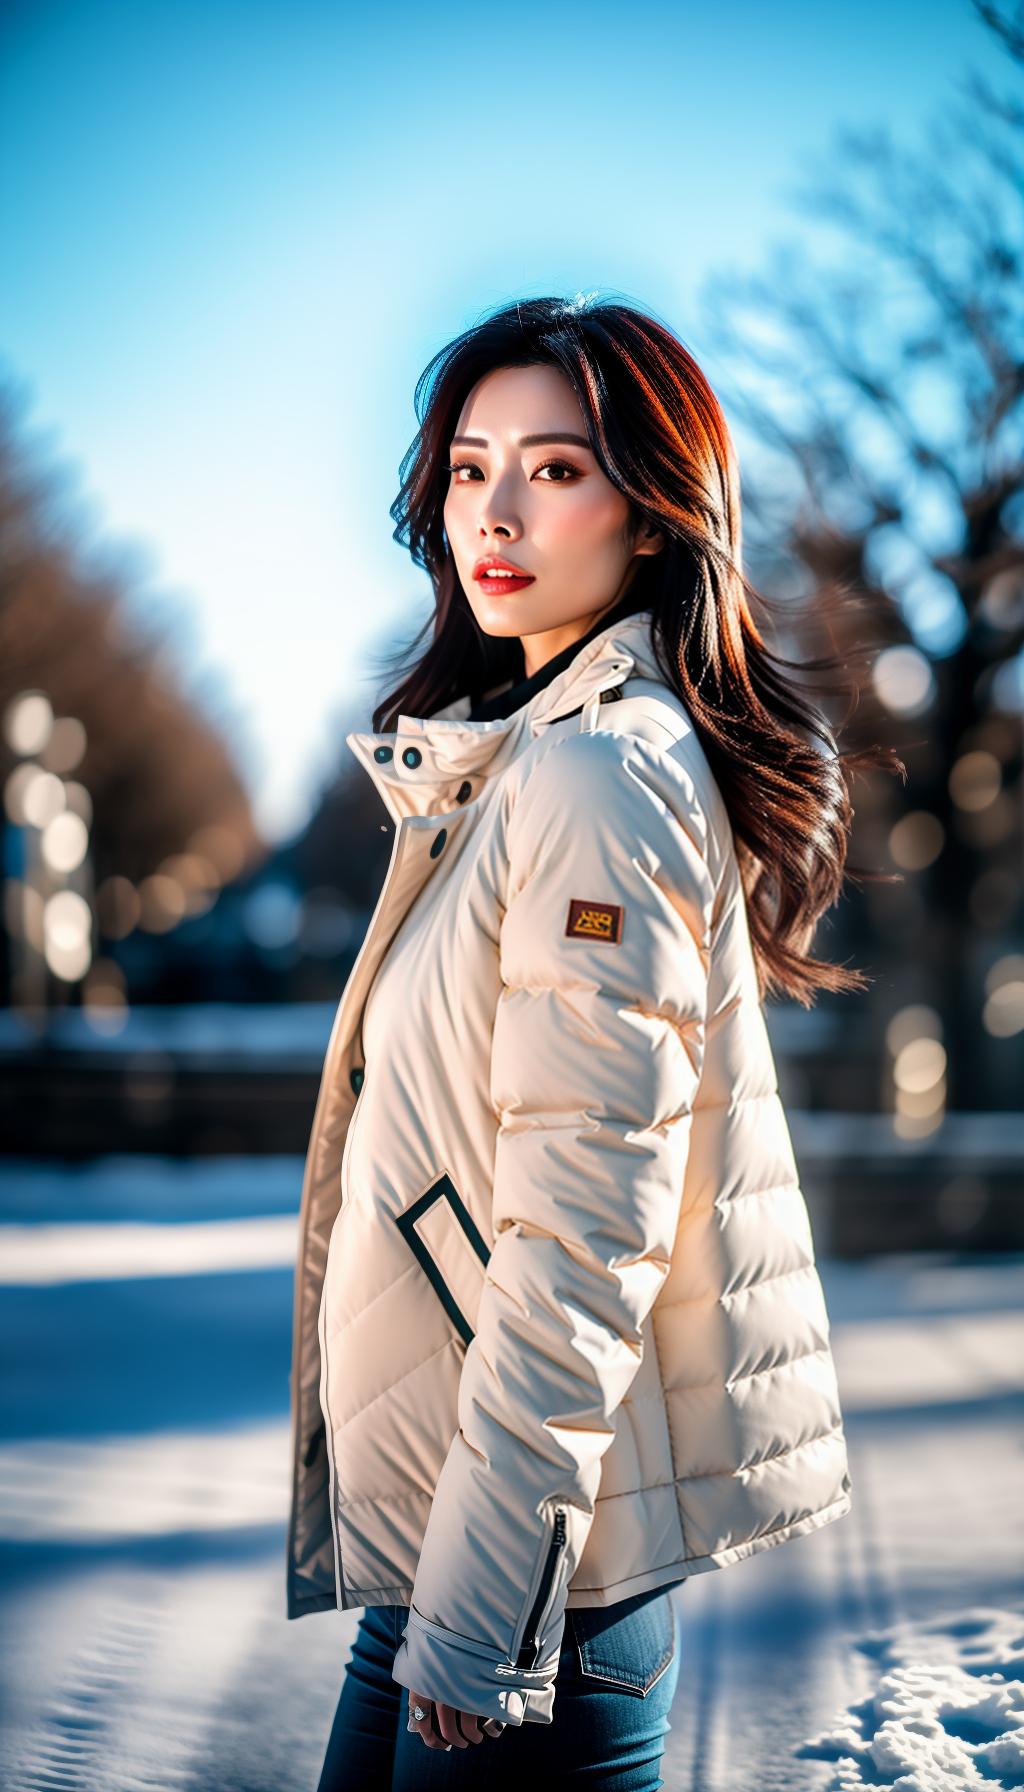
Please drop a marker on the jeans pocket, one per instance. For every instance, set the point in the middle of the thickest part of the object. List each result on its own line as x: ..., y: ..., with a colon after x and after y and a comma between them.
x: 626, y: 1646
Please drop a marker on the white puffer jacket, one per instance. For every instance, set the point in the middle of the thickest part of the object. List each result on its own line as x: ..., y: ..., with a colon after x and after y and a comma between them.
x: 559, y: 1334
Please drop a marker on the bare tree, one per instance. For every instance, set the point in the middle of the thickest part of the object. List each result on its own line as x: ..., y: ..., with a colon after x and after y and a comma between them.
x: 883, y: 395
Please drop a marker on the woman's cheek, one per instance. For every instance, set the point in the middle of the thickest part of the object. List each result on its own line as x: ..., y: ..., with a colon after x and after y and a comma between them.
x: 579, y: 522
x: 586, y: 539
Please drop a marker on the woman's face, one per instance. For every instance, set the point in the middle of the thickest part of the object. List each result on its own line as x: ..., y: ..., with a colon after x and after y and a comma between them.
x: 544, y: 505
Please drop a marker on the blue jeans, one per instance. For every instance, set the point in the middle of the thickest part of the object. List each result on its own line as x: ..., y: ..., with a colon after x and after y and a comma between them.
x: 617, y: 1675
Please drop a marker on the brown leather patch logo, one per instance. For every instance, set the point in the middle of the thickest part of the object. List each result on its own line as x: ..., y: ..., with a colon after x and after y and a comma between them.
x: 594, y: 921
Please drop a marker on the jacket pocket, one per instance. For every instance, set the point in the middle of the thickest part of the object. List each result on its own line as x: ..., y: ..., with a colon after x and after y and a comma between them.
x: 627, y: 1646
x: 441, y: 1234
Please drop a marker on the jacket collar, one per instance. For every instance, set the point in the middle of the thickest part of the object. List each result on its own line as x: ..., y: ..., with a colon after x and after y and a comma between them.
x: 424, y: 765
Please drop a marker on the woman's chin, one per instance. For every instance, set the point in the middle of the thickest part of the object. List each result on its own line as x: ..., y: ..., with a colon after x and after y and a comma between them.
x: 514, y: 613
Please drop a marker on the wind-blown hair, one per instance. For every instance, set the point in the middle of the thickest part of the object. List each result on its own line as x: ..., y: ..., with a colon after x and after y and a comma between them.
x: 659, y: 433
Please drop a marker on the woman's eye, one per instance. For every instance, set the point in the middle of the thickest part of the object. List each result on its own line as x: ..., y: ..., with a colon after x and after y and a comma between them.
x: 562, y: 466
x: 559, y: 466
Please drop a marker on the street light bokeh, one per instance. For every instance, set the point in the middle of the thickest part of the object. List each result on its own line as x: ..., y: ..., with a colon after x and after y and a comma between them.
x: 49, y: 905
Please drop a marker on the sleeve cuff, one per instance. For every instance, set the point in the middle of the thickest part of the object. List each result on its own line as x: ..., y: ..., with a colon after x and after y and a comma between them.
x: 455, y: 1670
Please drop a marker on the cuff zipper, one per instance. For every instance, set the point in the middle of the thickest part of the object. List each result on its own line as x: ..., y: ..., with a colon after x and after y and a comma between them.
x: 532, y: 1634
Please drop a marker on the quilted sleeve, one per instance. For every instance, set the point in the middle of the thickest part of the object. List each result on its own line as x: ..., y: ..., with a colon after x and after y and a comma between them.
x: 597, y: 1052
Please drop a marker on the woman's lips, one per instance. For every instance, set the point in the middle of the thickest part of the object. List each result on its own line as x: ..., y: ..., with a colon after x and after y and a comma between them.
x: 490, y: 581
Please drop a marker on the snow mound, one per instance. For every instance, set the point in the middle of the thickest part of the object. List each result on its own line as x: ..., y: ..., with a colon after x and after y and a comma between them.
x: 947, y: 1712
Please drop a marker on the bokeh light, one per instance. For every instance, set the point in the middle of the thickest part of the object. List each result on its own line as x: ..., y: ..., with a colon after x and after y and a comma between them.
x: 117, y: 907
x: 42, y: 797
x: 66, y: 746
x: 1003, y: 1013
x: 918, y: 1069
x: 162, y: 901
x: 916, y: 840
x: 975, y: 780
x: 65, y: 842
x: 903, y: 680
x: 67, y: 935
x: 28, y: 723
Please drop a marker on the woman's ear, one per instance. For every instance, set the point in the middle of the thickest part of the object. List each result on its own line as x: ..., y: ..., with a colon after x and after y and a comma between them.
x: 649, y: 538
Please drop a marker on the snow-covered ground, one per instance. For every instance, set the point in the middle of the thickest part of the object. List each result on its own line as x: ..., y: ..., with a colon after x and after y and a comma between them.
x: 143, y: 1488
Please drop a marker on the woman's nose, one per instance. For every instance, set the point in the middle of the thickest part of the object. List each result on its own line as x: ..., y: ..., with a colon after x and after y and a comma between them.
x: 499, y: 516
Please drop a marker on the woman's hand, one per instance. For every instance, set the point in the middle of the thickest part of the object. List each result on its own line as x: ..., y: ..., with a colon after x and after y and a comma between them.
x: 444, y: 1727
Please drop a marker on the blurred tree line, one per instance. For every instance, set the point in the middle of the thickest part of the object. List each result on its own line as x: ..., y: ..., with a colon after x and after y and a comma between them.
x: 167, y: 802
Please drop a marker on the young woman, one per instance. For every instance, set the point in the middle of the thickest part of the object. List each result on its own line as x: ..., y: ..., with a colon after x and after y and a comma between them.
x: 560, y: 1341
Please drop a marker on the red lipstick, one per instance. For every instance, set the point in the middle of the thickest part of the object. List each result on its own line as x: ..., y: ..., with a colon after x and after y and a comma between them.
x: 492, y: 573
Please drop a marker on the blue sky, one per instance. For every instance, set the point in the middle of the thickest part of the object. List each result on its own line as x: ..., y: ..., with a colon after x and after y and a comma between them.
x: 234, y: 234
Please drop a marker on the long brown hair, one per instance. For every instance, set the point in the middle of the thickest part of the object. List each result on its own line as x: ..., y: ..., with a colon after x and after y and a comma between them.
x: 658, y: 431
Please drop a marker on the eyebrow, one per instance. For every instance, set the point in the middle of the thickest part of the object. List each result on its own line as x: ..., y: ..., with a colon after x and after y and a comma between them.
x: 524, y: 441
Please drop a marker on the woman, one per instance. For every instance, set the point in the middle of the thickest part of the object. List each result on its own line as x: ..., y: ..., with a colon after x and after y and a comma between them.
x: 560, y: 1341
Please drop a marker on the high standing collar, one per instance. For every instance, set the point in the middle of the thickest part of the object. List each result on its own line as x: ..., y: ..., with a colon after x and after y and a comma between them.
x: 423, y: 766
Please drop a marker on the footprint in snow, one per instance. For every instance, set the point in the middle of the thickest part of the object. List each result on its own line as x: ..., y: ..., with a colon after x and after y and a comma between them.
x: 947, y: 1712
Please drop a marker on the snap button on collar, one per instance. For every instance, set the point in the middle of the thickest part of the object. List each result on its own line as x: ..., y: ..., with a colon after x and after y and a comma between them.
x: 411, y: 756
x: 381, y: 754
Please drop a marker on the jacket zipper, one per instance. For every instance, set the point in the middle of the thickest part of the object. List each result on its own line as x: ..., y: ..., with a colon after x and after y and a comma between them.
x: 332, y: 1469
x: 399, y: 846
x: 532, y: 1634
x: 332, y: 1474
